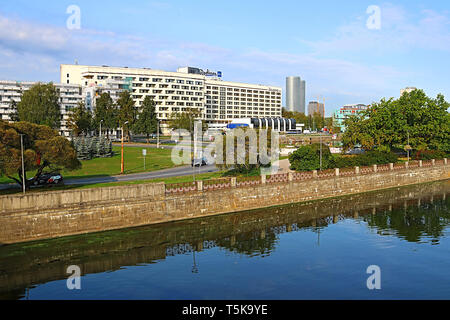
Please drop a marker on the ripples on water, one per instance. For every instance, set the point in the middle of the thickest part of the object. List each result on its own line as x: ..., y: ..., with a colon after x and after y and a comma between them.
x: 317, y: 250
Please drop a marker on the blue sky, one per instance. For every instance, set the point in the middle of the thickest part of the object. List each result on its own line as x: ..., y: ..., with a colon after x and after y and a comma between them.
x: 327, y: 43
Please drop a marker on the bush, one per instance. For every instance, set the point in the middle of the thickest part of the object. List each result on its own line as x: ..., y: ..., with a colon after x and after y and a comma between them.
x: 376, y: 157
x: 307, y: 158
x: 339, y: 161
x: 429, y: 154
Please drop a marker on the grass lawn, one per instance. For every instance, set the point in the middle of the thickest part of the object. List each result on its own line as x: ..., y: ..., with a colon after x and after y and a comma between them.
x: 156, y: 159
x: 203, y: 176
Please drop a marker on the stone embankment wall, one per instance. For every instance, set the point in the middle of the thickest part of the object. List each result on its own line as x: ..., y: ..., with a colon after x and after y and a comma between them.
x: 56, y: 214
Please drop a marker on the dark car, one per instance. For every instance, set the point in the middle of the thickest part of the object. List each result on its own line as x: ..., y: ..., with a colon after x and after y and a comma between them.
x: 51, y: 178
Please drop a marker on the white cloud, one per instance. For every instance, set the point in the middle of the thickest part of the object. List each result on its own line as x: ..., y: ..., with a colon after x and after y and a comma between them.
x: 400, y: 32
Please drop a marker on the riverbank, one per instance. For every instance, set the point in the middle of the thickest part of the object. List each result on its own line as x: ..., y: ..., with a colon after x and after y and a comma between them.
x: 62, y: 213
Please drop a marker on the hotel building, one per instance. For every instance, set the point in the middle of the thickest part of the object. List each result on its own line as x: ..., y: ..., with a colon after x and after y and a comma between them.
x: 189, y: 88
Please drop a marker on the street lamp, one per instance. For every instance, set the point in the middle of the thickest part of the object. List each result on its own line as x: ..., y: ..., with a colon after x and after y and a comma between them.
x: 23, y: 165
x: 122, y: 163
x: 157, y: 134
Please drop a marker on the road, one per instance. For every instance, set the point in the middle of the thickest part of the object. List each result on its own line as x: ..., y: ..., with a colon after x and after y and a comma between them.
x: 166, y: 173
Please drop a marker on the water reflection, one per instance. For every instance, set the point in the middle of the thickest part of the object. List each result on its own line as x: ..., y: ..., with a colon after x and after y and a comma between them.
x: 415, y: 214
x: 418, y: 220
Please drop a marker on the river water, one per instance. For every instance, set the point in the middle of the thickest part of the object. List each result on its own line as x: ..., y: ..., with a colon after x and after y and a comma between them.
x: 314, y: 250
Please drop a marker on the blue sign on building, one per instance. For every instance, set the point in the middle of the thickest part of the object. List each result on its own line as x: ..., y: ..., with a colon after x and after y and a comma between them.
x: 219, y: 74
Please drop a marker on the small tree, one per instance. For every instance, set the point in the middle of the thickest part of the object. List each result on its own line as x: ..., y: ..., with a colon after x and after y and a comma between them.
x: 14, y: 116
x: 185, y: 120
x: 146, y: 122
x: 127, y: 112
x: 80, y: 120
x: 106, y: 111
x: 43, y: 148
x: 245, y: 151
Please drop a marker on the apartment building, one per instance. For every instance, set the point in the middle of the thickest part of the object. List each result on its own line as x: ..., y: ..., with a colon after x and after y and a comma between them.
x: 189, y: 88
x: 70, y: 95
x: 346, y: 111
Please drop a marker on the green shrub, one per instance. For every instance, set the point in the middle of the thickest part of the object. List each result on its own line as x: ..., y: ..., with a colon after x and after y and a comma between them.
x: 340, y: 161
x: 307, y: 158
x: 429, y: 154
x: 376, y: 157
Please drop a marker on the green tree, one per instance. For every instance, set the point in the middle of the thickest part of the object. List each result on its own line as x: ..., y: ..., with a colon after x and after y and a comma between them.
x: 424, y: 121
x: 299, y: 117
x: 127, y: 112
x: 318, y: 121
x: 146, y: 122
x: 80, y: 120
x: 40, y: 105
x: 185, y: 120
x: 14, y: 116
x: 249, y: 141
x: 106, y: 111
x: 43, y: 148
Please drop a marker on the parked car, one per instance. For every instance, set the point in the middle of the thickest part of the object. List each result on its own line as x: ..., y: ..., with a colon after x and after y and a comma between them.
x: 199, y: 162
x: 51, y: 178
x: 355, y: 151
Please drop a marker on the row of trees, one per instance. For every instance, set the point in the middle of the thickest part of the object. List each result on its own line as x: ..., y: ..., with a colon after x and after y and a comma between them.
x: 315, y: 121
x: 40, y: 105
x: 110, y: 116
x: 414, y: 119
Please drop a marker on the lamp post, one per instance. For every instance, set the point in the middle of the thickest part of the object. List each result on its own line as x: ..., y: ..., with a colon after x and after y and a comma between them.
x: 23, y: 165
x: 320, y: 151
x: 122, y: 162
x: 157, y: 134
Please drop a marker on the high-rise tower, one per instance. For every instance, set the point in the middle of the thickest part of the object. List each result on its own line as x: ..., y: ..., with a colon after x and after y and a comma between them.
x: 295, y: 94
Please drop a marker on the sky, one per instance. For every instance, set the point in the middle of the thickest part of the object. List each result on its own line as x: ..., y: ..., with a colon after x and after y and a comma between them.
x: 327, y: 43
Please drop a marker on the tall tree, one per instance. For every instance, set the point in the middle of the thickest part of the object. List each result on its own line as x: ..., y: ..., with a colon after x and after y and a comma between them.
x: 146, y: 122
x: 105, y: 112
x: 40, y: 105
x: 80, y: 120
x: 127, y: 112
x: 299, y: 117
x: 14, y: 116
x: 424, y: 121
x: 43, y: 148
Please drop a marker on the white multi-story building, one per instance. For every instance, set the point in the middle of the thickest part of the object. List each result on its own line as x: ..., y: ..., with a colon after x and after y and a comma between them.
x: 69, y: 96
x: 188, y: 88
